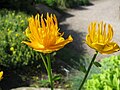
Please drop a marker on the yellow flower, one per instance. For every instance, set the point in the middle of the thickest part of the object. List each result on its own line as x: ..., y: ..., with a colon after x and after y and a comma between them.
x: 1, y: 74
x: 22, y: 21
x: 100, y: 39
x: 12, y: 49
x: 16, y: 34
x: 44, y: 35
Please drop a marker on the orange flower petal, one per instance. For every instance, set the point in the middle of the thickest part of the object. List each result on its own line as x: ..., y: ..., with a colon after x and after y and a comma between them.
x: 44, y: 35
x: 1, y: 74
x: 100, y: 40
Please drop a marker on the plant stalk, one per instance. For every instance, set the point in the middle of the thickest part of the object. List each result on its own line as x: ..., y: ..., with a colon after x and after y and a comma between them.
x: 49, y: 70
x: 44, y: 61
x: 91, y: 63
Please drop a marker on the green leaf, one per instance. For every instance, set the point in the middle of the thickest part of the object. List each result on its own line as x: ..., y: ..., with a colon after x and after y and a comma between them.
x: 97, y: 64
x: 44, y: 82
x: 83, y: 69
x: 57, y: 77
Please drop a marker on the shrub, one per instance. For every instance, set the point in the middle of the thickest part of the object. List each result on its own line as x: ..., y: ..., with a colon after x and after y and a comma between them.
x: 13, y: 53
x: 84, y: 2
x: 109, y: 77
x: 63, y: 3
x: 24, y: 5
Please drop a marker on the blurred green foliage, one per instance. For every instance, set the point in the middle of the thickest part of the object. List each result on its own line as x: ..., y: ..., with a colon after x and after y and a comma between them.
x: 12, y: 52
x: 63, y: 3
x: 28, y: 5
x: 108, y: 78
x: 22, y: 5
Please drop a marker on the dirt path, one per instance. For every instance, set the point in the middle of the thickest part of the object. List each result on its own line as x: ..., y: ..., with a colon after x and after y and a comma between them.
x: 101, y: 10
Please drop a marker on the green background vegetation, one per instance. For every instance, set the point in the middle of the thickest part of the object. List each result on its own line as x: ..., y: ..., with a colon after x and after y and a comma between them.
x: 63, y: 3
x: 13, y: 53
x: 108, y: 78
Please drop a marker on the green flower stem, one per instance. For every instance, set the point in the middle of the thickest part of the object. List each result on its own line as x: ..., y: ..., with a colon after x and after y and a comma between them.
x: 91, y: 63
x: 49, y: 70
x: 44, y: 61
